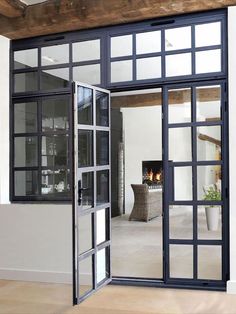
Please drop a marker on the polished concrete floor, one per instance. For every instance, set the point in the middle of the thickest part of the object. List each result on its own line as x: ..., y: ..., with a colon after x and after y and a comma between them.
x: 40, y: 298
x: 137, y: 247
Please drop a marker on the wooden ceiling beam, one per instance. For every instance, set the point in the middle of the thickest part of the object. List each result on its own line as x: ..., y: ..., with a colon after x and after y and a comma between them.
x: 12, y: 8
x: 56, y: 16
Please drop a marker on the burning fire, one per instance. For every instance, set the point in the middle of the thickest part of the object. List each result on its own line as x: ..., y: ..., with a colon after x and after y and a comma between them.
x: 153, y: 176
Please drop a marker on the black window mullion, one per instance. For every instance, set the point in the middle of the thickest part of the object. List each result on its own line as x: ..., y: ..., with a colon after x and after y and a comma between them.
x: 40, y: 145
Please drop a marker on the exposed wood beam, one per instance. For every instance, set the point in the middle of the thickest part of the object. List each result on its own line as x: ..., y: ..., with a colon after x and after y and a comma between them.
x: 12, y: 8
x: 210, y: 139
x: 56, y: 16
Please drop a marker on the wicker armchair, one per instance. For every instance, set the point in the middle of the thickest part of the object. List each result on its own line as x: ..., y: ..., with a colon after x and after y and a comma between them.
x: 147, y: 204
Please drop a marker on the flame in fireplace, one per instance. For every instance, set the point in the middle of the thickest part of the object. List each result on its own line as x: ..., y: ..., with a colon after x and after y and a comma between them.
x: 154, y: 176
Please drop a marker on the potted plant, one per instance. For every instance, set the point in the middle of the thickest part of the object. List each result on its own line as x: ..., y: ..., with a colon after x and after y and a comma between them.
x: 212, y: 211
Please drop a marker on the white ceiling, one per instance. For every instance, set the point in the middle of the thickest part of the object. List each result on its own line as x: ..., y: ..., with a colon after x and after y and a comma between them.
x: 31, y: 2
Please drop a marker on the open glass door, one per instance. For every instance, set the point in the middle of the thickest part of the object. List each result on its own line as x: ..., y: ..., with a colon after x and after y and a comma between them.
x: 91, y: 197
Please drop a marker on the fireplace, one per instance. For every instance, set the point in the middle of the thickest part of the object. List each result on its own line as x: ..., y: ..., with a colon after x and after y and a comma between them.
x: 152, y: 173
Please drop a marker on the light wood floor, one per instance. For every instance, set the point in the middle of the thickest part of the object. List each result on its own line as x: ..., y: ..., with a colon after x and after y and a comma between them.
x: 40, y: 298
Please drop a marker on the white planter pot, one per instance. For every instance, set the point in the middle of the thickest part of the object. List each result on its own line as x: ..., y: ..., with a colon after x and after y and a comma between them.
x: 212, y: 217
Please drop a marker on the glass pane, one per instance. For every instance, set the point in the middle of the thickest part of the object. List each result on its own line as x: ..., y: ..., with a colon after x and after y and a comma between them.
x: 53, y: 55
x: 178, y: 38
x: 90, y: 74
x: 55, y: 181
x: 101, y: 226
x: 88, y: 189
x: 86, y: 50
x: 102, y: 108
x: 24, y: 59
x: 208, y: 103
x: 181, y: 222
x: 26, y: 183
x: 121, y: 71
x: 25, y: 117
x: 102, y: 187
x: 179, y: 64
x: 209, y: 262
x: 85, y: 275
x: 121, y: 46
x: 209, y: 183
x: 55, y: 114
x: 209, y: 222
x: 183, y: 136
x: 102, y: 272
x: 209, y: 143
x: 85, y: 233
x: 208, y: 34
x: 85, y: 105
x: 53, y: 79
x: 208, y: 61
x: 25, y: 82
x: 179, y: 109
x: 183, y: 183
x: 26, y: 151
x: 102, y: 148
x: 148, y: 42
x: 181, y: 261
x: 148, y: 68
x: 54, y: 150
x: 85, y: 148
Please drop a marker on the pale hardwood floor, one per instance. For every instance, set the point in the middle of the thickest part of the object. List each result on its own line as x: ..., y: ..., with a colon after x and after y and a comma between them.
x: 41, y: 298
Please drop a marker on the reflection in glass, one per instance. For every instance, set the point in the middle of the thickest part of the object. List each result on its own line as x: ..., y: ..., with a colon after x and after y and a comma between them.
x: 85, y: 233
x: 25, y: 117
x: 90, y: 74
x: 208, y: 34
x: 26, y: 183
x: 183, y: 184
x: 24, y: 59
x: 181, y: 261
x: 85, y: 275
x: 209, y: 183
x: 177, y: 136
x: 101, y: 226
x: 209, y: 262
x: 26, y: 151
x: 208, y: 103
x: 179, y: 109
x: 86, y: 50
x: 85, y: 148
x: 209, y: 143
x: 148, y: 42
x: 209, y: 222
x: 87, y: 190
x: 85, y: 105
x: 55, y: 114
x: 121, y: 71
x: 102, y: 109
x: 53, y: 55
x: 181, y: 222
x: 178, y: 38
x: 54, y: 150
x: 179, y: 64
x: 148, y: 68
x: 121, y: 46
x: 102, y: 187
x: 208, y: 61
x: 56, y: 78
x: 25, y: 82
x: 55, y: 181
x: 102, y: 272
x: 102, y: 148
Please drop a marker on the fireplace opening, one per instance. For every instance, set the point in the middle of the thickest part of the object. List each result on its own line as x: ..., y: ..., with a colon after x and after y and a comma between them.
x: 153, y: 173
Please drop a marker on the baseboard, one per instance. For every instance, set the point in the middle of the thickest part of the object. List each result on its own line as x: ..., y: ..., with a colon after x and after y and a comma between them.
x: 35, y: 275
x: 231, y: 287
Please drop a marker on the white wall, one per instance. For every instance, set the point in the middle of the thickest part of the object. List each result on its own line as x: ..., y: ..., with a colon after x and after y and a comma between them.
x: 231, y: 285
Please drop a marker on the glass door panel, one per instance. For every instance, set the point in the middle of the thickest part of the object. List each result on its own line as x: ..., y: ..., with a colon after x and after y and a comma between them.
x: 91, y: 191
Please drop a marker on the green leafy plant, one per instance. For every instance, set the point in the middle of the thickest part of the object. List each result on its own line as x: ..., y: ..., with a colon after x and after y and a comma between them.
x: 212, y: 194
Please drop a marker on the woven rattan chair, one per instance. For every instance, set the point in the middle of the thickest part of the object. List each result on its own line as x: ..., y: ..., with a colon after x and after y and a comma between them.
x: 147, y: 205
